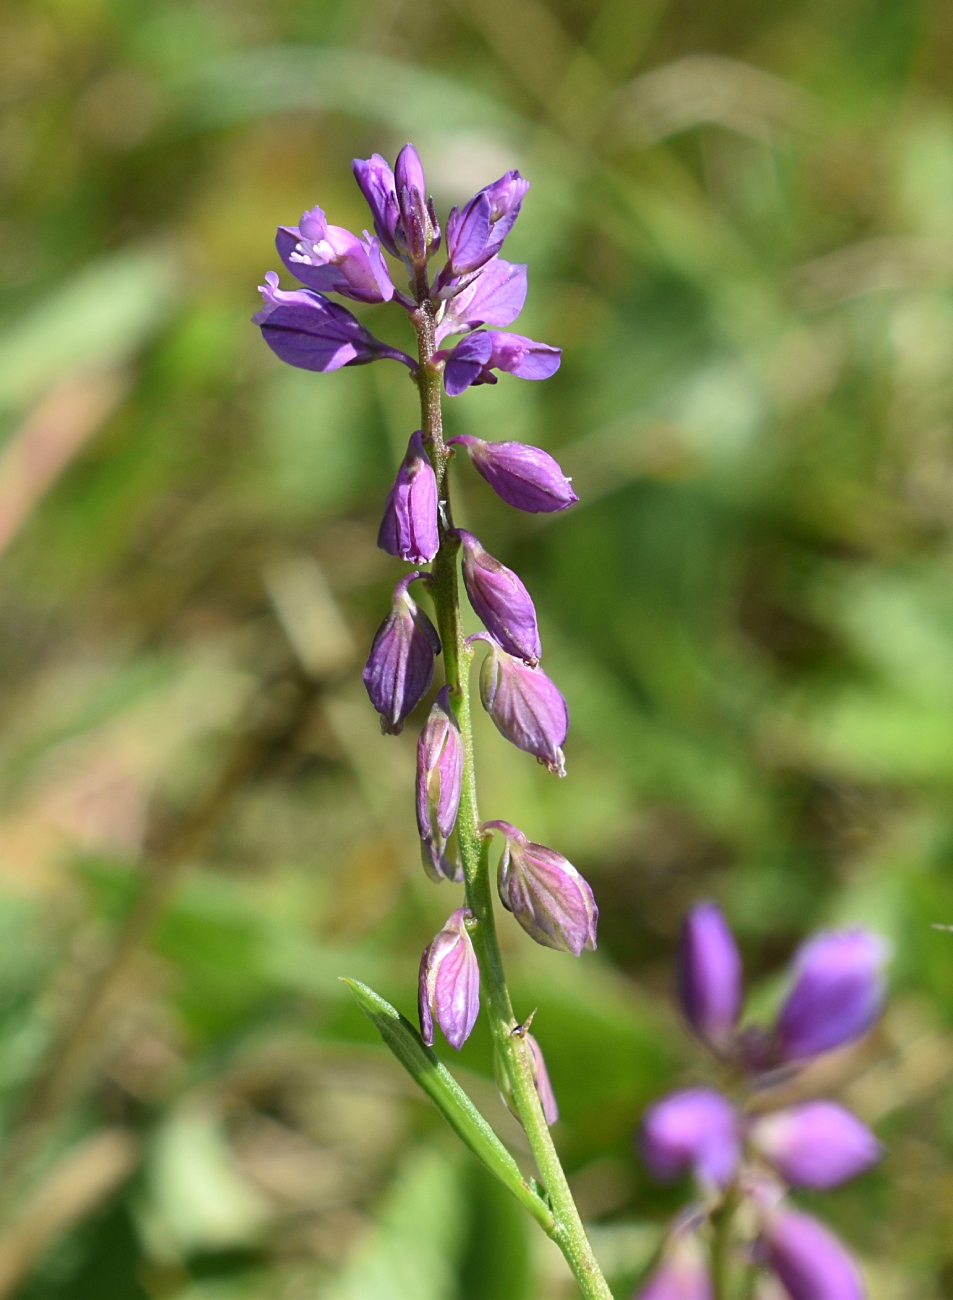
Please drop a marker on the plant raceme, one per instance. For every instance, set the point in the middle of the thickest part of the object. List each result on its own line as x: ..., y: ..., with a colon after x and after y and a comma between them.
x: 751, y: 1154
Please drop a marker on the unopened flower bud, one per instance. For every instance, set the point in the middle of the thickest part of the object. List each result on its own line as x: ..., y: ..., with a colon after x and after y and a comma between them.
x: 502, y: 603
x: 837, y: 995
x: 809, y: 1260
x: 399, y: 669
x: 376, y: 179
x: 694, y: 1129
x: 525, y: 705
x: 409, y: 527
x: 545, y: 893
x: 525, y: 477
x: 418, y: 234
x: 449, y: 989
x: 547, y: 1098
x: 683, y: 1272
x: 709, y: 976
x: 818, y: 1144
x: 439, y: 776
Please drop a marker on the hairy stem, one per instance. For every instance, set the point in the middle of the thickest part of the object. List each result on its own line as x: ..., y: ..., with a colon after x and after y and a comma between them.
x: 568, y: 1231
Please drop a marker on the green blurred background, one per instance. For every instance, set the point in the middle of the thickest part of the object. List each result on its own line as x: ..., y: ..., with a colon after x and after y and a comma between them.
x: 741, y: 233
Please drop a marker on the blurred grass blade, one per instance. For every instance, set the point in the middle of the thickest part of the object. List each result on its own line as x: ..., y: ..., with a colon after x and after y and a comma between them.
x: 439, y: 1084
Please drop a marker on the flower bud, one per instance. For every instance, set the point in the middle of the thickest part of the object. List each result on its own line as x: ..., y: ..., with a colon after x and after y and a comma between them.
x: 525, y: 705
x: 439, y: 776
x: 475, y: 232
x: 545, y: 893
x: 709, y: 976
x: 449, y: 989
x: 547, y: 1098
x: 409, y: 527
x: 417, y: 234
x: 819, y: 1144
x: 399, y: 668
x: 837, y: 995
x: 501, y: 601
x: 683, y: 1272
x: 524, y: 477
x: 809, y: 1260
x: 376, y: 180
x: 694, y: 1129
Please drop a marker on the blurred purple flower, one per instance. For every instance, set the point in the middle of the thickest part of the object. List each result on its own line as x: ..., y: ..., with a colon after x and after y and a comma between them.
x: 694, y: 1129
x: 837, y: 995
x: 501, y: 601
x: 524, y: 477
x: 545, y: 893
x: 409, y: 527
x: 809, y: 1260
x: 399, y: 669
x: 818, y: 1144
x: 525, y: 705
x: 475, y: 357
x: 449, y: 989
x: 439, y: 776
x: 332, y: 260
x: 493, y: 297
x: 683, y: 1272
x: 547, y: 1098
x: 309, y: 331
x: 709, y: 976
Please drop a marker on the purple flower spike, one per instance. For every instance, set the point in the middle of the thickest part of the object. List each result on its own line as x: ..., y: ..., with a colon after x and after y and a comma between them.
x: 810, y: 1262
x: 439, y: 776
x: 501, y: 601
x: 683, y: 1273
x: 475, y: 358
x: 525, y: 705
x: 545, y: 893
x: 709, y: 976
x: 417, y: 234
x: 476, y: 232
x: 331, y: 259
x: 376, y: 180
x: 547, y: 1098
x: 494, y: 297
x: 409, y: 527
x: 399, y: 669
x: 838, y: 992
x: 819, y: 1144
x: 695, y: 1129
x: 309, y: 331
x: 449, y: 990
x: 524, y: 477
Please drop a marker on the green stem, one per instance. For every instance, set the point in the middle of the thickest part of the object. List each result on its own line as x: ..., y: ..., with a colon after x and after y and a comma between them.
x: 720, y: 1245
x: 568, y: 1231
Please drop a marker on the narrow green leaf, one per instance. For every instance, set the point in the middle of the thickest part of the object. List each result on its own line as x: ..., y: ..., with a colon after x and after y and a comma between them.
x: 453, y: 1103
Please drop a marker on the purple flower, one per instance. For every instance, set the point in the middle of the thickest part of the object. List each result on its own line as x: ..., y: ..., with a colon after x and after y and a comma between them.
x: 695, y: 1129
x: 475, y: 232
x: 309, y: 331
x: 439, y: 776
x: 525, y: 705
x: 417, y: 234
x: 501, y: 601
x: 449, y: 990
x: 409, y: 527
x: 523, y: 476
x: 331, y: 259
x: 376, y: 180
x: 683, y: 1273
x: 493, y: 297
x: 399, y: 669
x: 709, y: 976
x: 810, y: 1262
x: 475, y: 358
x: 837, y: 995
x: 547, y: 1098
x: 819, y: 1144
x: 545, y: 893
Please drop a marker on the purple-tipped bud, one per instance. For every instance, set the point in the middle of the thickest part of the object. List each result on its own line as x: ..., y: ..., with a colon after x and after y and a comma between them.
x: 524, y: 477
x: 439, y: 776
x: 409, y: 527
x: 809, y: 1260
x: 399, y: 669
x: 837, y: 995
x: 449, y: 990
x: 475, y: 232
x: 695, y: 1129
x: 709, y: 976
x: 502, y: 602
x: 525, y: 705
x: 376, y: 180
x: 545, y: 893
x: 331, y: 259
x: 547, y: 1098
x: 819, y: 1144
x: 683, y: 1273
x: 417, y: 234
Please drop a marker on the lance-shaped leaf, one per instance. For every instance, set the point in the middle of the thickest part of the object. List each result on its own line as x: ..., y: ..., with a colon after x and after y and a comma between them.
x: 450, y: 1099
